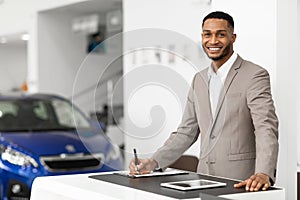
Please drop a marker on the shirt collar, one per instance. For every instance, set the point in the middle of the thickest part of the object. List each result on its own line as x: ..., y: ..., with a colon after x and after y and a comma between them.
x: 224, y: 69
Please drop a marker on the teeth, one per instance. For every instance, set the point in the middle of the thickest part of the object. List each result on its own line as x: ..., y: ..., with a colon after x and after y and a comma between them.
x: 214, y: 49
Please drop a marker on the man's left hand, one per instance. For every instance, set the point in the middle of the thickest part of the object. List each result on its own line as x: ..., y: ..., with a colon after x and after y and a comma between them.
x: 255, y: 183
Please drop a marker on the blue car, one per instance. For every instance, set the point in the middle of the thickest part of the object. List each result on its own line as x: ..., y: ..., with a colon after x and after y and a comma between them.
x: 45, y: 135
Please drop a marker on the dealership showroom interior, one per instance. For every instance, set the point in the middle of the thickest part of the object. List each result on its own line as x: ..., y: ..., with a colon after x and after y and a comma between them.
x: 149, y: 99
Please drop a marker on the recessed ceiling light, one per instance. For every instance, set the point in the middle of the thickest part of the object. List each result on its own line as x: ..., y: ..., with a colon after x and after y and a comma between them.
x: 115, y: 20
x: 3, y: 40
x: 25, y: 37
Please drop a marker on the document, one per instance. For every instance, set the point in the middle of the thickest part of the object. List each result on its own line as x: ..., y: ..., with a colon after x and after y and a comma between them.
x: 167, y: 172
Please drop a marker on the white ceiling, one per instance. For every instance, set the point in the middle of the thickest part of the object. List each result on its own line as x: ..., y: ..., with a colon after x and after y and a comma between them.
x: 89, y: 6
x: 13, y: 39
x: 85, y: 7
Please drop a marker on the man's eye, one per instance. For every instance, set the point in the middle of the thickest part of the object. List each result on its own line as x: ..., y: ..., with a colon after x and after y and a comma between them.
x: 206, y: 34
x: 221, y: 35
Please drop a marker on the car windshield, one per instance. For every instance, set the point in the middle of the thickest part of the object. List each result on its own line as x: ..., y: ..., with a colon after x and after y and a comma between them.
x: 40, y: 115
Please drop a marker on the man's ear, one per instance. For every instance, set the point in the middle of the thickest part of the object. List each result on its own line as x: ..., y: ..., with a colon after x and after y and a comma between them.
x: 233, y: 37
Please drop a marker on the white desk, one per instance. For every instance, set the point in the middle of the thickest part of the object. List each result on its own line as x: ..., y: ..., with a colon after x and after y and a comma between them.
x: 72, y: 187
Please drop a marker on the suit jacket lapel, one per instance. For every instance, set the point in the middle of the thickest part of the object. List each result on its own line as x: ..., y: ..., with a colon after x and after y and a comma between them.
x: 206, y: 95
x: 231, y: 74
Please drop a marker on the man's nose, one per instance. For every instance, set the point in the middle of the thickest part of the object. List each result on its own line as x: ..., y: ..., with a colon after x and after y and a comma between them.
x: 214, y: 39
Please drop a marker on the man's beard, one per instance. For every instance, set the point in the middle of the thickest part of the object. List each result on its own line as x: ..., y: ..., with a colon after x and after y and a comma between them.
x: 225, y: 53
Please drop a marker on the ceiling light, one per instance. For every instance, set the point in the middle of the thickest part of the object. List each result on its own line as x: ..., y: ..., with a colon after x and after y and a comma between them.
x: 25, y: 37
x: 115, y: 20
x: 3, y: 40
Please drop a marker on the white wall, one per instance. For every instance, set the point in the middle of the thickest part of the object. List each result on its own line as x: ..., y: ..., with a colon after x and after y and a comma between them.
x: 65, y: 67
x: 60, y: 53
x: 256, y: 29
x: 298, y: 135
x: 17, y: 16
x: 13, y: 66
x: 20, y: 16
x: 287, y: 94
x: 155, y: 90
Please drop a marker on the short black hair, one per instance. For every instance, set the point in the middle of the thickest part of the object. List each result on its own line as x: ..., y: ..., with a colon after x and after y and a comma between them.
x: 219, y: 15
x: 94, y: 35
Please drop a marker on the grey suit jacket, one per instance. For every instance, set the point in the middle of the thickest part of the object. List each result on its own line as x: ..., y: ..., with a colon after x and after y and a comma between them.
x: 242, y: 139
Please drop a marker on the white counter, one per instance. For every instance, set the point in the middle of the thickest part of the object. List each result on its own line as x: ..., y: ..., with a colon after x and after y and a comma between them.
x: 72, y: 187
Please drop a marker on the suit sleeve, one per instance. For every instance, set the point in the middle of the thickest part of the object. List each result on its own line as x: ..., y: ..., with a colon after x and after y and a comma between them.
x: 260, y: 103
x: 179, y: 141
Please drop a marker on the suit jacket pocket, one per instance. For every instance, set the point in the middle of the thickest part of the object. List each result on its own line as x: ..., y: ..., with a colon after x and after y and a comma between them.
x: 242, y: 156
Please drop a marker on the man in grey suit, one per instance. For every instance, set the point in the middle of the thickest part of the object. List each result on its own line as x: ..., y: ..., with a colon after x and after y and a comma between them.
x: 230, y: 105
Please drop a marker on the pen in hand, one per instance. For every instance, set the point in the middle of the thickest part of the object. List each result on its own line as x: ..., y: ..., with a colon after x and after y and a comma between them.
x: 141, y: 165
x: 136, y: 160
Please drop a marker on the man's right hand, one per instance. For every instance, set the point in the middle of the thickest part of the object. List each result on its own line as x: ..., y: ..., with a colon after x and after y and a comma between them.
x: 145, y: 166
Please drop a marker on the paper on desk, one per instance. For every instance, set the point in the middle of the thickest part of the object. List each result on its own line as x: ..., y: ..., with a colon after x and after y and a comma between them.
x: 167, y: 172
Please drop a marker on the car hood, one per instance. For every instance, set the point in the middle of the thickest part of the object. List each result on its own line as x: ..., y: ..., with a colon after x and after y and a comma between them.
x: 57, y: 142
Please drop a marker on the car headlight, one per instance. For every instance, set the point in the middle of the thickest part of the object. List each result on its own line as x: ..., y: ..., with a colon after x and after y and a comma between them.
x: 16, y: 157
x: 113, y: 154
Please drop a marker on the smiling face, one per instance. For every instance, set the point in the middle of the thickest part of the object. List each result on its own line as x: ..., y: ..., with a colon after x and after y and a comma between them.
x: 217, y: 40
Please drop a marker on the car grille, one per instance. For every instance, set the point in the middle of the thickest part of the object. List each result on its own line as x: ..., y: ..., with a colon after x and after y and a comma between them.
x: 69, y: 162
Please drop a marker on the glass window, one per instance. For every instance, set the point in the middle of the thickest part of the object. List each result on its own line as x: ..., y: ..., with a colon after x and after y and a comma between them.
x: 68, y: 115
x: 7, y: 107
x: 40, y: 110
x: 40, y: 115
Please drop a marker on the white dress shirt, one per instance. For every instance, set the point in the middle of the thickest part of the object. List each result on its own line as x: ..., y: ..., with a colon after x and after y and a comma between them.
x: 216, y: 81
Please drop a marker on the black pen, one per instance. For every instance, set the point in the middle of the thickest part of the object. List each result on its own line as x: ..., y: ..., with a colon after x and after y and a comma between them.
x: 136, y: 160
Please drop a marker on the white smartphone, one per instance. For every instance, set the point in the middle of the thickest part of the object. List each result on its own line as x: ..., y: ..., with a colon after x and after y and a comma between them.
x: 193, y: 184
